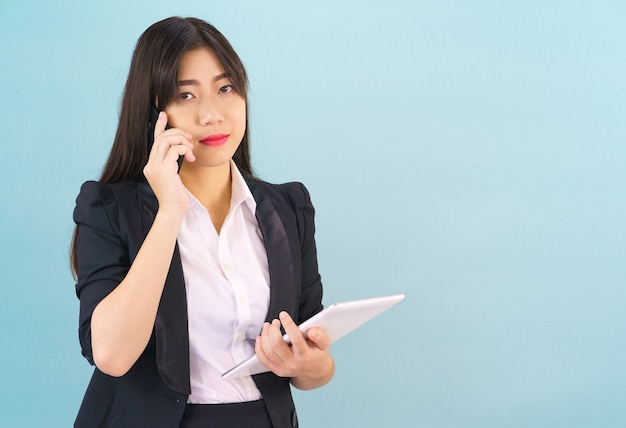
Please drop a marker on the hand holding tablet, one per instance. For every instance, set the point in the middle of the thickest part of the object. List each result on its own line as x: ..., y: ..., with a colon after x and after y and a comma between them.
x: 337, y: 320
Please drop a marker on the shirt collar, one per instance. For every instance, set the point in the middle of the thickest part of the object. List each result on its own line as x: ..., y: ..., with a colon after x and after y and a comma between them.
x: 240, y: 192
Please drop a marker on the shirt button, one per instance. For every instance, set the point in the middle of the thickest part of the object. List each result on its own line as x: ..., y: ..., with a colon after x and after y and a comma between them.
x: 228, y: 267
x: 239, y: 336
x: 242, y: 299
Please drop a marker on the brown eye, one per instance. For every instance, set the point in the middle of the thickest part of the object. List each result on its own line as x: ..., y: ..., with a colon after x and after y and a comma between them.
x: 185, y: 96
x: 226, y: 89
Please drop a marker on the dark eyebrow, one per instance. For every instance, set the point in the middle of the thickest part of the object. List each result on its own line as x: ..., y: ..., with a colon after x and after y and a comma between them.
x: 194, y: 82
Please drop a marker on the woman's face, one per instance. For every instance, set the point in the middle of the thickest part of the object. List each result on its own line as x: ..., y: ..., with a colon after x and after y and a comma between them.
x: 208, y: 108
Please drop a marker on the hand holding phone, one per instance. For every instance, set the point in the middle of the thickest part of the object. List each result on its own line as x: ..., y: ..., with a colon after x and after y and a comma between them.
x: 152, y: 120
x: 154, y: 117
x: 168, y: 146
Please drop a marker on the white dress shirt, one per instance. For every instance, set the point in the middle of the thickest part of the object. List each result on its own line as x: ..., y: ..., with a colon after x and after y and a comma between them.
x: 227, y: 283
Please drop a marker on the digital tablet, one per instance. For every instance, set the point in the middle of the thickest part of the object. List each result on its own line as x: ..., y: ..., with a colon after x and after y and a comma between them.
x: 338, y: 320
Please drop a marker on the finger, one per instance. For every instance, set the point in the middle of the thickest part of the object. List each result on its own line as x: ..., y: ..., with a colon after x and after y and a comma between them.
x: 189, y: 156
x: 186, y: 150
x: 278, y: 352
x: 175, y: 152
x: 263, y: 358
x: 298, y: 342
x: 266, y: 345
x: 160, y: 124
x: 282, y: 350
x: 320, y: 338
x: 275, y: 337
x: 175, y: 136
x: 170, y: 138
x: 267, y: 342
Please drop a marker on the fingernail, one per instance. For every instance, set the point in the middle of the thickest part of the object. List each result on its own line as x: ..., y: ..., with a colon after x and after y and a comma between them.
x: 283, y: 315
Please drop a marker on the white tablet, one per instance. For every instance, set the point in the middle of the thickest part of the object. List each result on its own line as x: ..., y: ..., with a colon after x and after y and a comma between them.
x: 338, y: 320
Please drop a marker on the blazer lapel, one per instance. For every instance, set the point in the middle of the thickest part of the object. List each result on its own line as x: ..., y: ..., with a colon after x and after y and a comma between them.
x: 283, y: 289
x: 170, y: 328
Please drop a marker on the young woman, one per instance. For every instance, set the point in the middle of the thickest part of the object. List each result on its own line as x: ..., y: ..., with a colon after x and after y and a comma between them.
x: 182, y: 272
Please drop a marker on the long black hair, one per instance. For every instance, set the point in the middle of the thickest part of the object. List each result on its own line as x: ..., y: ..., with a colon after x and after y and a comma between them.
x: 153, y: 77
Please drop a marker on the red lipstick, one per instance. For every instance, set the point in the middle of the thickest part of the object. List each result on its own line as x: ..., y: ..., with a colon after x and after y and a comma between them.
x: 214, y: 140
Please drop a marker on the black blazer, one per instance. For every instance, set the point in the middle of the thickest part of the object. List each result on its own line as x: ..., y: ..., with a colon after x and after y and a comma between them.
x: 113, y: 220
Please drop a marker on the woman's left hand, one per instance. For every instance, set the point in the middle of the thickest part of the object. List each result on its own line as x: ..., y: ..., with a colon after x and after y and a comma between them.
x: 306, y: 361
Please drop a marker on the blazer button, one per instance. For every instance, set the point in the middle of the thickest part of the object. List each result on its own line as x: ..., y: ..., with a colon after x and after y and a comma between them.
x: 294, y: 419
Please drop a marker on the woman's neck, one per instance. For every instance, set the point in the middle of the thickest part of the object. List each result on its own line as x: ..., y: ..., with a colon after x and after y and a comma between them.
x: 212, y: 187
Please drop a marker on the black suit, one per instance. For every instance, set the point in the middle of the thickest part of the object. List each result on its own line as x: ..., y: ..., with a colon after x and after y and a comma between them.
x: 113, y: 220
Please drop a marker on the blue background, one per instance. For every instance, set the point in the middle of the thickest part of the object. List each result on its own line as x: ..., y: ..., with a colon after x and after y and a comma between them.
x: 468, y: 154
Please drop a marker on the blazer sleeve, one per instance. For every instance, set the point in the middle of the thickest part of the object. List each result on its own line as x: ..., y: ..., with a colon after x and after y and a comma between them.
x: 103, y: 259
x: 311, y: 285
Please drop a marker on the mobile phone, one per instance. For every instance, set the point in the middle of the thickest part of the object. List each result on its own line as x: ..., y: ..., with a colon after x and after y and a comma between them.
x: 154, y: 116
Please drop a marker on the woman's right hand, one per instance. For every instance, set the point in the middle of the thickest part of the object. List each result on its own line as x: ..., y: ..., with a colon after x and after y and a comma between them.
x: 161, y: 171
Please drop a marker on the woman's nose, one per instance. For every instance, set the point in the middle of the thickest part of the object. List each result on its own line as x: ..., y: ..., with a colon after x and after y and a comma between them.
x: 210, y: 112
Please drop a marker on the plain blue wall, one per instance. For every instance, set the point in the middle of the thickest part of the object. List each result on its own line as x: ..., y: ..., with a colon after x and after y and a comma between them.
x: 469, y: 154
